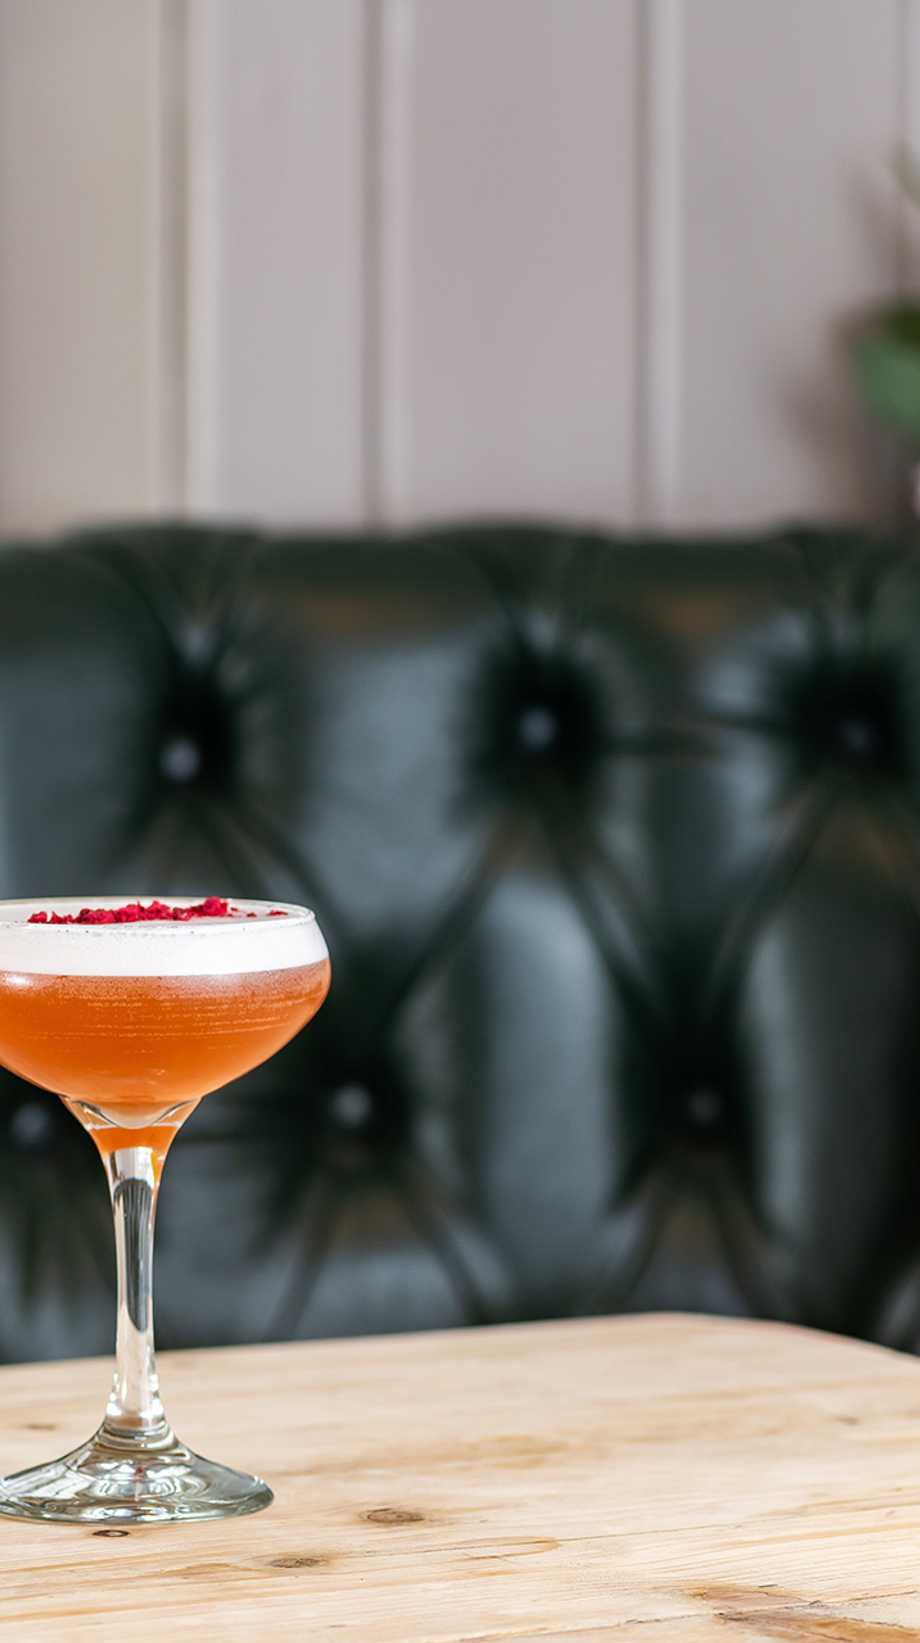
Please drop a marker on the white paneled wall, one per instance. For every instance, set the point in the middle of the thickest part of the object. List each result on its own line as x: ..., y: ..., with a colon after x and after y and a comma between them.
x: 334, y: 261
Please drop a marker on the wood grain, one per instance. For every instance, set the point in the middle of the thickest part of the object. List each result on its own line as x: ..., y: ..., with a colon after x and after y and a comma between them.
x: 641, y: 1478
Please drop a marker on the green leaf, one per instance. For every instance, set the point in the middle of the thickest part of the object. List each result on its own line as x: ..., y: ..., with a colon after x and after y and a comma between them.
x: 887, y: 361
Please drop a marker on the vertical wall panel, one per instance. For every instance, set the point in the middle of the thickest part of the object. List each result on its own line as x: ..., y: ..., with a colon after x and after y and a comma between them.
x: 788, y: 229
x: 521, y: 257
x: 277, y: 245
x: 75, y: 330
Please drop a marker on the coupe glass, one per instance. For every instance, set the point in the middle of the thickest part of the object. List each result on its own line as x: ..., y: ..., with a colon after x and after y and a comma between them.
x: 131, y: 1024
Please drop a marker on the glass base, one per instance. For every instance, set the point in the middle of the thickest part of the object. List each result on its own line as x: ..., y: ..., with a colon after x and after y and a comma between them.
x: 115, y: 1483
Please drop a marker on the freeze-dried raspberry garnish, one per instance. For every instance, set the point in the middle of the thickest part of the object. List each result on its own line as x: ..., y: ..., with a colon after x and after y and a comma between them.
x: 135, y: 912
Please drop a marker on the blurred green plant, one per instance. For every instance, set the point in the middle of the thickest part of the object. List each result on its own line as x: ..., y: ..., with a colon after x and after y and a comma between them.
x: 887, y: 350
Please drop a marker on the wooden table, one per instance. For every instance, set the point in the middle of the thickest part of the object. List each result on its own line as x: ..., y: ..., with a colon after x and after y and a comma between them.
x: 640, y: 1478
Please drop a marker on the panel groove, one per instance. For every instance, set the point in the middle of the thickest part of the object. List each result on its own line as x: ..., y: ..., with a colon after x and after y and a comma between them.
x: 659, y: 260
x: 202, y: 385
x: 388, y: 65
x: 167, y: 254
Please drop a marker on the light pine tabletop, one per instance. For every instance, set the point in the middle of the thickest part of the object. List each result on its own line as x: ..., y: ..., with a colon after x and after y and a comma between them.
x: 641, y: 1478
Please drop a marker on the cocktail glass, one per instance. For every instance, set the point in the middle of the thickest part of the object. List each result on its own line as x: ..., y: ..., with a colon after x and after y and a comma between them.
x: 131, y: 1024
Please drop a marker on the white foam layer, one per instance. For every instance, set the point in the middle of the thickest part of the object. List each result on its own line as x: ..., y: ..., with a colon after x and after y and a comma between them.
x: 193, y: 947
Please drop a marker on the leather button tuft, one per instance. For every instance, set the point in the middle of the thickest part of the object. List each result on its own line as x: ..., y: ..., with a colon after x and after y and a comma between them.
x: 31, y: 1126
x: 705, y: 1110
x: 538, y: 729
x: 859, y: 737
x: 180, y: 760
x: 350, y: 1107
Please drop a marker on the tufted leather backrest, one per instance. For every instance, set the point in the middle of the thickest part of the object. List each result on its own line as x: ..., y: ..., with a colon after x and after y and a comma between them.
x: 617, y: 847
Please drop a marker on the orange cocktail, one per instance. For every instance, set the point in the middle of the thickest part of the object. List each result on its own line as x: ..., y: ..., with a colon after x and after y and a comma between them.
x: 133, y: 1055
x: 132, y: 1012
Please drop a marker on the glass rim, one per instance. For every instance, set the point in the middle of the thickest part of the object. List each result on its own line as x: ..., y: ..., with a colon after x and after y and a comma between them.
x: 293, y: 911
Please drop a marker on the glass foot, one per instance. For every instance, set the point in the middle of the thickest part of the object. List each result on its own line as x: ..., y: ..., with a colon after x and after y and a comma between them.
x: 106, y: 1482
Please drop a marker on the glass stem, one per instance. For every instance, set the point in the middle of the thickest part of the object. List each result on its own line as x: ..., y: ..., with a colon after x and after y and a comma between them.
x: 134, y: 1413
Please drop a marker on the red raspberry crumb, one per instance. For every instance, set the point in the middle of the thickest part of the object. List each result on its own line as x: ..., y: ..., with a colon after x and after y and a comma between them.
x: 134, y: 912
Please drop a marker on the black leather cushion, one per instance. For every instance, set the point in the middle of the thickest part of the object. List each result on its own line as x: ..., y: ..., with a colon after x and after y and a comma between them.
x: 617, y: 847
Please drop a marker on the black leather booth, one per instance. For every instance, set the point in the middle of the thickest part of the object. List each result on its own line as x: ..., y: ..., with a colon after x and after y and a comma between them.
x: 617, y: 848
